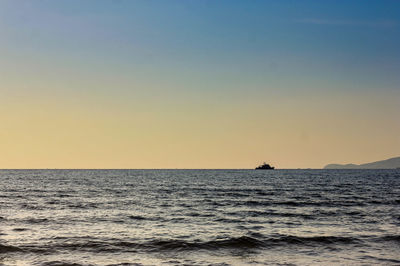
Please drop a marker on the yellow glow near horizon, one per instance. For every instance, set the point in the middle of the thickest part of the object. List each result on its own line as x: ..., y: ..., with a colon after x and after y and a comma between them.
x: 297, y: 133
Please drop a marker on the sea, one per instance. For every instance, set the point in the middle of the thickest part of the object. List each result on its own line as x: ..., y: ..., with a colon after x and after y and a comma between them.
x: 199, y: 217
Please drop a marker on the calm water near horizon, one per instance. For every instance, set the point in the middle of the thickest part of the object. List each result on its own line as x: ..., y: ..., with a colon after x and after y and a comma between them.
x: 199, y: 217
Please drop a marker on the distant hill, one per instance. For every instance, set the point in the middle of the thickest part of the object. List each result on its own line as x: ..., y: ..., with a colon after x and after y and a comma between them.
x: 392, y: 163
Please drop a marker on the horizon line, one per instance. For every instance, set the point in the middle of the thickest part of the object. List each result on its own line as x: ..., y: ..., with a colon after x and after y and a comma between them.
x: 147, y: 168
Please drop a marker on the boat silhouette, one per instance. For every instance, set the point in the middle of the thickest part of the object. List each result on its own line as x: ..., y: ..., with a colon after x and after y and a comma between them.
x: 265, y: 166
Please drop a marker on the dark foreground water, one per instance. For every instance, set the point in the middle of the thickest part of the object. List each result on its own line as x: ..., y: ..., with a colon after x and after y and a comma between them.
x: 199, y: 217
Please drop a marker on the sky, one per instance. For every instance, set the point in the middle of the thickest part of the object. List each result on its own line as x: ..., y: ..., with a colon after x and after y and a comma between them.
x: 198, y: 84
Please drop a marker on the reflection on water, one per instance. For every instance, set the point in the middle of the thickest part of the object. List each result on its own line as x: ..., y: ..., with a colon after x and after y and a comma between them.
x: 199, y: 217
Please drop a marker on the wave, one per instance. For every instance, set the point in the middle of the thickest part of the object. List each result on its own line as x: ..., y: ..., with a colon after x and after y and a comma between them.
x: 395, y: 238
x: 240, y: 242
x: 60, y: 263
x: 160, y: 245
x: 20, y: 229
x: 137, y: 217
x: 270, y: 213
x: 36, y: 220
x: 318, y: 240
x: 293, y: 203
x: 243, y: 242
x: 383, y: 260
x: 248, y: 242
x: 5, y: 249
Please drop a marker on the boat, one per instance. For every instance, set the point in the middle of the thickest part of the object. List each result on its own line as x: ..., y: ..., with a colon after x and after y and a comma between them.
x: 265, y: 166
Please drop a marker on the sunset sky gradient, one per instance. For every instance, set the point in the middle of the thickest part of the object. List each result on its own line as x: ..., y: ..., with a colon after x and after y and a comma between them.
x: 198, y: 84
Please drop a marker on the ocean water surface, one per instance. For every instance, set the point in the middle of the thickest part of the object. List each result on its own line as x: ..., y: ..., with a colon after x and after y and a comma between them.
x: 199, y: 217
